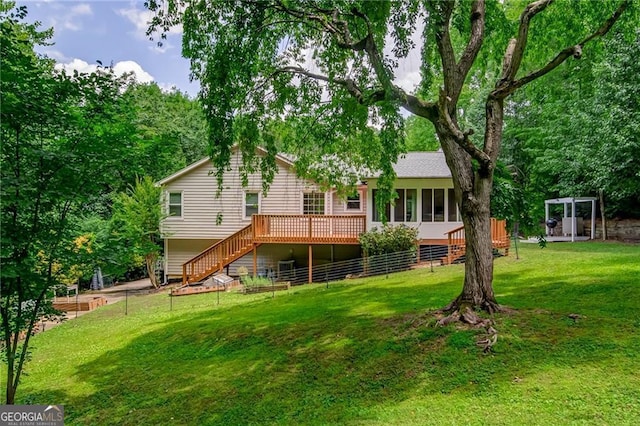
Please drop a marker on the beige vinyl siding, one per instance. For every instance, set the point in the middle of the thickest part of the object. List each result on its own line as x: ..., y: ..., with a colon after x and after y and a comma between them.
x: 201, y: 208
x: 340, y: 204
x: 180, y: 251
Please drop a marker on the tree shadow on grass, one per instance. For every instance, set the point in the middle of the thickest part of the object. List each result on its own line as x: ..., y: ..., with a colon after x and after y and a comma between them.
x: 331, y: 356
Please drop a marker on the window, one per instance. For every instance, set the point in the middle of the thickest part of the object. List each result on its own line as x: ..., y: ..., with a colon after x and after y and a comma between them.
x: 175, y: 204
x: 251, y: 204
x: 427, y: 205
x: 433, y: 205
x: 452, y: 214
x: 353, y: 202
x: 377, y: 214
x: 411, y: 205
x: 313, y: 203
x: 405, y: 207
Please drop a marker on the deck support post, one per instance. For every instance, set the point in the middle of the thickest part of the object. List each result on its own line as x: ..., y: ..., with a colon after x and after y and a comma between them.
x: 310, y: 263
x: 255, y: 260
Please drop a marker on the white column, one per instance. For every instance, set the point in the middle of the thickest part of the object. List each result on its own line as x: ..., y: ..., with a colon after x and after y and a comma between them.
x: 593, y: 219
x: 546, y: 216
x: 573, y: 219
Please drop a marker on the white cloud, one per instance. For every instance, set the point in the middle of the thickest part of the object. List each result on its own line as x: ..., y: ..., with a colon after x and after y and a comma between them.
x: 119, y: 69
x: 81, y: 9
x: 141, y: 18
x: 69, y: 18
x: 130, y: 66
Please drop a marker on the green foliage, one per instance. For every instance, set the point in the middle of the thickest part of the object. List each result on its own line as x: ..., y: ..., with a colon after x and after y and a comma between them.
x: 579, y: 136
x: 420, y: 135
x: 62, y: 138
x: 249, y: 281
x: 389, y: 239
x: 171, y: 131
x: 135, y: 224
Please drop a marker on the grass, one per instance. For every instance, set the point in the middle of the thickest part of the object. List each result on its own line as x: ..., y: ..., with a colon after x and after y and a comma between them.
x: 362, y: 351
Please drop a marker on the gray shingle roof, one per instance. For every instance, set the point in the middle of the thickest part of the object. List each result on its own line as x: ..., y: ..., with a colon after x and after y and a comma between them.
x: 422, y: 165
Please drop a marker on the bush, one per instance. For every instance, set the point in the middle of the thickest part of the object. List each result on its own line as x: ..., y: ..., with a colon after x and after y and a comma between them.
x: 389, y: 239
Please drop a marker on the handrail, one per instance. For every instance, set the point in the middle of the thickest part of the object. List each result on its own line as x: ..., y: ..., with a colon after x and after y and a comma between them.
x: 218, y: 255
x: 456, y: 239
x: 312, y: 229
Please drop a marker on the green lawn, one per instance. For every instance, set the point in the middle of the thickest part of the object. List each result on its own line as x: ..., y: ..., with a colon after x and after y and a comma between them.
x: 362, y: 351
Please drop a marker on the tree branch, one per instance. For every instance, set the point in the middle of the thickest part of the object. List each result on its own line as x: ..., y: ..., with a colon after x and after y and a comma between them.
x: 445, y: 48
x: 475, y: 40
x: 505, y: 88
x: 515, y: 50
x: 463, y: 138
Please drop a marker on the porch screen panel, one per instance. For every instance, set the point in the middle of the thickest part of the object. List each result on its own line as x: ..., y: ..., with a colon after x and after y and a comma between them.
x: 438, y: 205
x: 411, y: 203
x: 427, y: 205
x: 398, y: 209
x: 377, y: 214
x: 452, y: 206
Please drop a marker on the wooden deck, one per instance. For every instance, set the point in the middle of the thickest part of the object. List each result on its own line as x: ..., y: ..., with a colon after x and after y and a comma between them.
x: 311, y: 229
x: 456, y: 244
x: 282, y: 229
x: 308, y: 229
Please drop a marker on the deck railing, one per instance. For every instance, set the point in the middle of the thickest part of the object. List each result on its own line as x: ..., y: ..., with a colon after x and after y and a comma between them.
x: 456, y: 240
x: 308, y: 229
x: 216, y: 257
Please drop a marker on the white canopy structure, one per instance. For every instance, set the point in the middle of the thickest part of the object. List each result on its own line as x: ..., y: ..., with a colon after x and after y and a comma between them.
x: 569, y: 221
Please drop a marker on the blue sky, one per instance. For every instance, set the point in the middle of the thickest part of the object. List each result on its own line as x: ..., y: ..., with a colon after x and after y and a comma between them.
x: 113, y: 32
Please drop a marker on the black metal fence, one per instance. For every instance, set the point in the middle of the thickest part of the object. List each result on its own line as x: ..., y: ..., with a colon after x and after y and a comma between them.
x: 365, y: 267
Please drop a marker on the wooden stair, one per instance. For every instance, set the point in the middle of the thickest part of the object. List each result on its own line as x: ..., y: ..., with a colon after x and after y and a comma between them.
x: 457, y: 245
x: 215, y: 258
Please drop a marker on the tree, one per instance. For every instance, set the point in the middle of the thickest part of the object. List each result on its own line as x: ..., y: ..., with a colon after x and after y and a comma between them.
x: 172, y: 130
x: 332, y: 65
x: 62, y: 137
x: 136, y: 223
x: 580, y: 136
x: 420, y: 135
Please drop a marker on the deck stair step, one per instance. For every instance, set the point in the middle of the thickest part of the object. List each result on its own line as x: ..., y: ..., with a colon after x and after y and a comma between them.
x: 215, y: 258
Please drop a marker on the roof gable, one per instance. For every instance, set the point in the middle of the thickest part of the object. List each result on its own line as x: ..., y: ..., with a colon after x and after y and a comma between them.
x: 422, y: 165
x: 207, y: 160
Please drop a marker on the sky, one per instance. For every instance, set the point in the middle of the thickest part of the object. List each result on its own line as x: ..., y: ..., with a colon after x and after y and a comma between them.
x: 113, y: 32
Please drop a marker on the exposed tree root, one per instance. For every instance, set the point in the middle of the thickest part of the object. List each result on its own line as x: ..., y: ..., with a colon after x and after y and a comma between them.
x: 464, y: 312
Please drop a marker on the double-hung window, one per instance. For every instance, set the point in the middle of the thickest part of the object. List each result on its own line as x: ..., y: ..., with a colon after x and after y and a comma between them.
x: 354, y: 202
x: 313, y: 203
x: 251, y: 204
x: 175, y: 204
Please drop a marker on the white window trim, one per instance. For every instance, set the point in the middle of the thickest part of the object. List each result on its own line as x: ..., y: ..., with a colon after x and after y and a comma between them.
x: 326, y: 204
x: 168, y: 205
x: 244, y: 203
x: 360, y: 210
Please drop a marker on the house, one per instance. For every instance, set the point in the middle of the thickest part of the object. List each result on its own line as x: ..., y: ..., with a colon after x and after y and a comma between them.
x: 296, y: 224
x: 425, y: 197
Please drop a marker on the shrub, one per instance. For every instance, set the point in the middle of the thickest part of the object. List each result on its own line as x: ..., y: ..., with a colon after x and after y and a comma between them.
x: 389, y: 239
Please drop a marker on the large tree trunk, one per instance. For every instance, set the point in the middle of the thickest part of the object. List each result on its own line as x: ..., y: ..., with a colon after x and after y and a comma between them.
x: 473, y: 181
x: 477, y: 291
